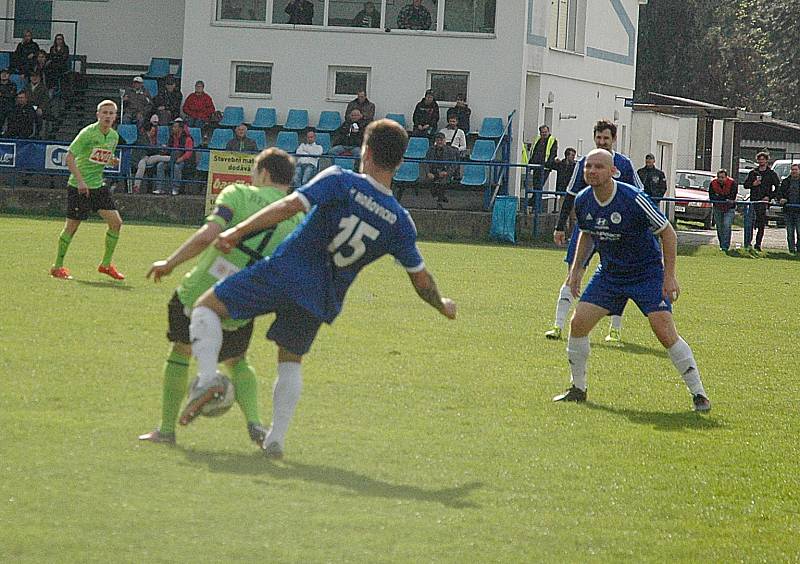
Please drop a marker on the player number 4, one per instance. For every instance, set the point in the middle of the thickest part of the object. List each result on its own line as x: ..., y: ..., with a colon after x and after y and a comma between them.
x: 352, y: 234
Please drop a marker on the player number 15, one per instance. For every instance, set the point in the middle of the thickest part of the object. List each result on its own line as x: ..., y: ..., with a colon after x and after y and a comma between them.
x: 352, y: 234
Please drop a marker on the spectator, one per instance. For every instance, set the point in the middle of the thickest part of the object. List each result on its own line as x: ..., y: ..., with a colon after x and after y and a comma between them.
x: 426, y: 116
x: 414, y: 16
x: 24, y: 57
x: 40, y: 100
x: 439, y: 175
x: 167, y: 102
x: 179, y: 138
x: 363, y: 105
x: 151, y: 155
x: 653, y: 180
x: 564, y: 169
x: 8, y: 92
x: 348, y: 138
x: 722, y: 192
x: 544, y: 152
x: 22, y: 121
x: 762, y: 182
x: 461, y: 111
x: 788, y: 194
x: 137, y: 103
x: 241, y: 142
x: 41, y: 64
x: 198, y: 106
x: 58, y: 62
x: 368, y: 17
x: 307, y: 159
x: 301, y: 12
x: 454, y: 136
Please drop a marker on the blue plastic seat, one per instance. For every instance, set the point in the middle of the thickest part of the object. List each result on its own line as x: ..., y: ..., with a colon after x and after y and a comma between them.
x: 151, y: 86
x: 324, y: 139
x: 259, y: 137
x: 128, y: 132
x: 197, y: 135
x: 232, y: 116
x: 345, y: 164
x: 474, y: 175
x: 329, y: 121
x: 399, y: 118
x: 5, y: 60
x: 483, y: 150
x: 417, y: 148
x: 287, y: 140
x: 163, y: 134
x: 19, y: 81
x: 296, y: 120
x: 266, y: 118
x: 202, y: 162
x: 408, y: 172
x: 220, y: 138
x: 159, y: 68
x: 491, y: 128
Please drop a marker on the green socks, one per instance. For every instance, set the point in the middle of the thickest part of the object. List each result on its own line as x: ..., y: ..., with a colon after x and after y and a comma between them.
x: 63, y: 244
x: 111, y: 243
x: 244, y: 380
x: 176, y: 372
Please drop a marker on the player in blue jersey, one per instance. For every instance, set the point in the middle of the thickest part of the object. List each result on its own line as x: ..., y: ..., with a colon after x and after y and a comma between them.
x: 622, y: 223
x: 353, y: 219
x: 605, y: 133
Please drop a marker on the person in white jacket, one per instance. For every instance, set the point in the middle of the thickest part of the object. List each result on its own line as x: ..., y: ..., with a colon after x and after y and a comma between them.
x: 307, y: 166
x: 454, y: 136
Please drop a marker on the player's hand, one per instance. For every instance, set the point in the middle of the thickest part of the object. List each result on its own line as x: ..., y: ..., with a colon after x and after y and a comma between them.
x: 672, y: 289
x: 113, y: 162
x: 559, y: 238
x: 574, y: 282
x: 159, y: 269
x: 228, y: 240
x: 448, y: 308
x: 83, y: 188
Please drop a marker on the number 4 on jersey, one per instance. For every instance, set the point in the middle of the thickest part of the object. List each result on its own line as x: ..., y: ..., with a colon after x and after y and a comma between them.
x: 352, y: 234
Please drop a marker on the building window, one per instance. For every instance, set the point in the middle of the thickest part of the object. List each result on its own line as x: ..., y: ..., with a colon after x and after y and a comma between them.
x: 446, y: 85
x: 242, y: 10
x: 401, y: 14
x: 564, y: 24
x: 252, y: 79
x: 475, y: 16
x: 345, y: 82
x: 298, y: 12
x: 348, y: 13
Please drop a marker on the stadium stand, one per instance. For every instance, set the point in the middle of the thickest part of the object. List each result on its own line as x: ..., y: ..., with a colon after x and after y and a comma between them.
x: 128, y: 132
x: 159, y: 68
x: 399, y: 118
x: 324, y: 139
x: 152, y: 86
x: 259, y: 137
x: 287, y: 140
x: 232, y: 116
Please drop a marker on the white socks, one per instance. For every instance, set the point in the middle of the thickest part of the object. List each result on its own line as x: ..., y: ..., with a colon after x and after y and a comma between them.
x: 616, y: 322
x: 563, y: 305
x: 681, y: 356
x: 578, y: 355
x: 285, y: 396
x: 205, y: 331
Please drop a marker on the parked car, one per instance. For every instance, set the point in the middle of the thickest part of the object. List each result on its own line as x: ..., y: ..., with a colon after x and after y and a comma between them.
x: 691, y: 193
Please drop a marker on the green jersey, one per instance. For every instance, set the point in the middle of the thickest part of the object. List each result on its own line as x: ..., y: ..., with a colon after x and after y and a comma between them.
x: 235, y: 203
x: 92, y: 151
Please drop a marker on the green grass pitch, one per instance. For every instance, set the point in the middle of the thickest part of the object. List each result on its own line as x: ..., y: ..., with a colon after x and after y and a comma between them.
x: 416, y: 439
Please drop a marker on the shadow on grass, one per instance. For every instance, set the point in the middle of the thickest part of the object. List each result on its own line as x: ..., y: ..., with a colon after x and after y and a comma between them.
x: 257, y: 464
x: 660, y: 420
x: 771, y: 254
x: 105, y: 284
x: 632, y: 348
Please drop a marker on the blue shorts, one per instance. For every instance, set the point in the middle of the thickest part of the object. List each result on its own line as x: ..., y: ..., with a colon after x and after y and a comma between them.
x: 612, y: 293
x: 250, y: 293
x: 573, y: 246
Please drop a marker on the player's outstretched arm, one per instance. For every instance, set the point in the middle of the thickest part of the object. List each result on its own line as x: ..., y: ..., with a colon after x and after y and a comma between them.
x: 669, y: 246
x: 426, y: 289
x: 268, y: 217
x: 192, y: 247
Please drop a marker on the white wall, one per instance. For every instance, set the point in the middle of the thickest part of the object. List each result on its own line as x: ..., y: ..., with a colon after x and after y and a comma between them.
x: 687, y: 142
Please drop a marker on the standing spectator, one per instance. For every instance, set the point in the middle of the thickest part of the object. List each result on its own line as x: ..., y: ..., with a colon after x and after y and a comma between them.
x: 179, y: 138
x: 439, y: 174
x: 564, y: 169
x: 454, y: 136
x: 461, y: 111
x: 348, y: 138
x: 301, y: 12
x: 8, y: 93
x: 426, y: 116
x: 151, y: 155
x: 762, y: 182
x: 24, y: 57
x: 368, y: 17
x: 654, y: 180
x: 40, y: 100
x: 307, y: 159
x: 544, y: 152
x: 58, y: 62
x: 167, y: 102
x: 414, y: 16
x: 241, y: 142
x: 198, y: 106
x: 722, y: 192
x: 137, y: 103
x: 363, y: 105
x: 788, y: 196
x: 23, y: 123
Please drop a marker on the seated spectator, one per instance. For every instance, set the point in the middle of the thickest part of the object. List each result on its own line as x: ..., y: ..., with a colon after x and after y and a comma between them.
x: 301, y: 12
x: 24, y: 57
x: 179, y: 138
x: 39, y: 98
x: 426, y: 116
x: 307, y: 159
x: 439, y: 175
x: 414, y: 16
x: 58, y: 62
x: 41, y: 65
x: 167, y: 102
x: 137, y: 103
x: 462, y: 112
x: 241, y: 142
x: 722, y: 192
x: 368, y: 17
x: 150, y: 155
x: 22, y: 123
x: 198, y: 106
x: 455, y: 136
x: 8, y: 93
x: 363, y: 105
x: 347, y: 139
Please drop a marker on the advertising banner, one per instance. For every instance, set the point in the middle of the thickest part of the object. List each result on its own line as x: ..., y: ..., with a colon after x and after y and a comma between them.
x: 226, y: 167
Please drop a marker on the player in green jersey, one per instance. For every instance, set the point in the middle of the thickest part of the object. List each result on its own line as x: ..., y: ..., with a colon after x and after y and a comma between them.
x: 273, y: 170
x: 89, y: 153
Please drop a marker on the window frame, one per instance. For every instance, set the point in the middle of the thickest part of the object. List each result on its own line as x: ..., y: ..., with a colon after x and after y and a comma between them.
x: 251, y: 95
x: 429, y: 84
x: 331, y: 95
x: 218, y: 14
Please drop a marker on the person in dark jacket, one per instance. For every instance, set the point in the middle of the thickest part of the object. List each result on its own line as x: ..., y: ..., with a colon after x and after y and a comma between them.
x: 762, y: 183
x: 368, y: 17
x: 8, y: 93
x: 722, y: 192
x: 426, y: 116
x: 24, y: 56
x: 439, y: 174
x: 788, y: 195
x: 653, y: 179
x: 544, y: 152
x: 57, y: 62
x: 363, y: 105
x: 23, y: 123
x: 301, y: 12
x: 348, y: 138
x: 167, y: 102
x: 461, y: 111
x: 564, y: 169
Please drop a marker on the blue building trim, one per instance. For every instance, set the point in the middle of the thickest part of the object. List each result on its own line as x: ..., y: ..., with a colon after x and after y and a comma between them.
x: 627, y: 24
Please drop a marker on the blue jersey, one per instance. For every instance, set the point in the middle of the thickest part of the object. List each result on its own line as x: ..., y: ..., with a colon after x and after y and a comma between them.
x: 625, y: 173
x: 352, y: 221
x: 623, y: 230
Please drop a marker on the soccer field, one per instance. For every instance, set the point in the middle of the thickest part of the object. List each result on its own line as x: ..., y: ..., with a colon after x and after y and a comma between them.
x: 416, y: 439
